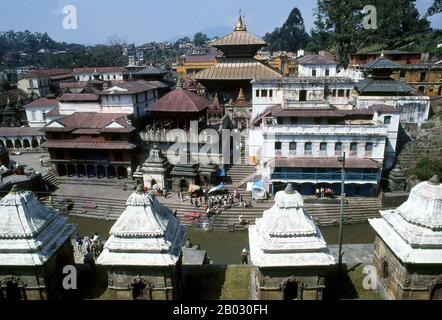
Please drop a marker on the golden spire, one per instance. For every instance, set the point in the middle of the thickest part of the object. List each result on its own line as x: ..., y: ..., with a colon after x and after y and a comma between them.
x: 240, y: 26
x: 382, y: 53
x: 241, y: 95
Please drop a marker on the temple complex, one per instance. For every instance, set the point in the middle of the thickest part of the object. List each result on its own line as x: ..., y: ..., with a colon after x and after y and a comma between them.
x: 239, y: 111
x: 238, y: 67
x: 143, y: 254
x: 154, y: 171
x: 35, y: 245
x: 408, y: 246
x: 290, y: 256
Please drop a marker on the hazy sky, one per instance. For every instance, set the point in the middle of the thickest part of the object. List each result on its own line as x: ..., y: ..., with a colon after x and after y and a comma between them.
x: 142, y: 21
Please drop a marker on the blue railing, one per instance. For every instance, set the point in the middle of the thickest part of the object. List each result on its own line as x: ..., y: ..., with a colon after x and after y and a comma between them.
x: 349, y: 176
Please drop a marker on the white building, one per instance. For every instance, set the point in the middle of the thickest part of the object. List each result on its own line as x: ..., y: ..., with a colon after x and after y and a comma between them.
x: 316, y: 66
x: 129, y: 97
x: 39, y: 82
x: 299, y: 136
x: 289, y: 251
x: 99, y: 73
x: 37, y: 110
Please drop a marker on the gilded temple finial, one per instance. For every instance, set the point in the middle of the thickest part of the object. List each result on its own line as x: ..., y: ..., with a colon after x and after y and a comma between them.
x: 240, y: 26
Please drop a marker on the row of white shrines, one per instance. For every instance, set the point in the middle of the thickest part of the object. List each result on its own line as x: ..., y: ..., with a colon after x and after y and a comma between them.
x: 289, y: 257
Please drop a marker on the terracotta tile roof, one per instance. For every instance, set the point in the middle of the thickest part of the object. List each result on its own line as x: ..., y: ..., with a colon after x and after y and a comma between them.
x: 43, y: 102
x: 74, y: 144
x: 54, y: 112
x: 179, y: 100
x: 46, y: 73
x: 92, y: 120
x: 98, y: 70
x: 79, y: 97
x: 237, y: 69
x: 23, y: 131
x: 312, y: 162
x: 73, y: 85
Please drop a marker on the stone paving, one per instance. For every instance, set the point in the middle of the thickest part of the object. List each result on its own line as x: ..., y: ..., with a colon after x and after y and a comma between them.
x: 354, y: 253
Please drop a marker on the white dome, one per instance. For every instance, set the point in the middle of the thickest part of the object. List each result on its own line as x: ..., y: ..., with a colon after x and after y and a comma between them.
x: 424, y: 205
x: 289, y: 198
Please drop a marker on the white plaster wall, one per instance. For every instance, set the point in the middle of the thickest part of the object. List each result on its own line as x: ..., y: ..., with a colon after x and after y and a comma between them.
x: 35, y: 115
x: 306, y: 70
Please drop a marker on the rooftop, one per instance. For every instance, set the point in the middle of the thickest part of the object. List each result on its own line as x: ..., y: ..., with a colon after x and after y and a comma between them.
x: 79, y: 97
x: 130, y: 87
x: 315, y: 60
x: 46, y: 73
x: 42, y: 102
x: 413, y: 231
x: 30, y: 233
x: 287, y: 236
x: 98, y: 70
x: 179, y: 100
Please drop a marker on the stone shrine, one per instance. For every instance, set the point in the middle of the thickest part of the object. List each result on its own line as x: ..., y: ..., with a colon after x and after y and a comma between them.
x: 288, y: 251
x: 143, y: 254
x: 35, y: 245
x: 154, y: 170
x: 408, y: 246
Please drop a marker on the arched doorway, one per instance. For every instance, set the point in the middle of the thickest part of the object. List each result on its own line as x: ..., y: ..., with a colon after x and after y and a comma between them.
x: 26, y: 144
x: 101, y: 172
x: 122, y: 172
x: 291, y: 289
x: 34, y: 143
x: 2, y: 144
x: 141, y: 289
x: 71, y: 170
x: 42, y: 141
x: 17, y: 144
x: 9, y: 144
x: 81, y: 170
x: 61, y: 169
x: 111, y: 172
x: 91, y: 171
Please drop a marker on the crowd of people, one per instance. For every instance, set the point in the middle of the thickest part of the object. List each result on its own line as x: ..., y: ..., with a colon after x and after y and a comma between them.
x: 89, y: 245
x: 324, y: 193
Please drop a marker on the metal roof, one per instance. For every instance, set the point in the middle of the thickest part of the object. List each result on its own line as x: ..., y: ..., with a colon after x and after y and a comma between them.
x: 237, y: 69
x: 387, y: 85
x: 239, y: 38
x: 381, y: 63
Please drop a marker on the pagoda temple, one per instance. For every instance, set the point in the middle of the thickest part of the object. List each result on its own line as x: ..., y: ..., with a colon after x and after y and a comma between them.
x: 290, y: 256
x: 238, y: 67
x: 143, y: 254
x: 35, y: 245
x: 408, y: 246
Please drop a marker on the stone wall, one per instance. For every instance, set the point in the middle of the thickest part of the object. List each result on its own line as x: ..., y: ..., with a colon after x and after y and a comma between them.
x: 397, y: 281
x: 271, y: 281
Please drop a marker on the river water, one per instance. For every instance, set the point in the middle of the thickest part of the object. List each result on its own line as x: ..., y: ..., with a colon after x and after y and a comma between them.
x: 224, y: 247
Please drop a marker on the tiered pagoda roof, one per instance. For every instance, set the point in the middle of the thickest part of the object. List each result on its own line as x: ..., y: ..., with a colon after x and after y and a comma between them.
x: 146, y: 234
x: 30, y: 233
x: 287, y: 236
x: 413, y: 231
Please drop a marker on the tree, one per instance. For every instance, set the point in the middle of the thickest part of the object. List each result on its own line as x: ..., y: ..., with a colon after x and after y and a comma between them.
x: 435, y: 8
x: 200, y: 39
x: 291, y: 36
x: 342, y: 21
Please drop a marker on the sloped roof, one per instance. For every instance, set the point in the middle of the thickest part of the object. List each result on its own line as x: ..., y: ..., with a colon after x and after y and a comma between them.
x: 413, y: 231
x: 46, y: 73
x: 43, y: 102
x: 30, y: 233
x: 149, y: 70
x: 381, y: 63
x: 79, y: 97
x: 315, y: 59
x: 179, y: 100
x: 237, y: 69
x: 91, y: 120
x: 130, y: 87
x: 239, y: 38
x: 20, y: 131
x: 382, y: 85
x: 97, y: 70
x: 146, y: 234
x: 286, y: 235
